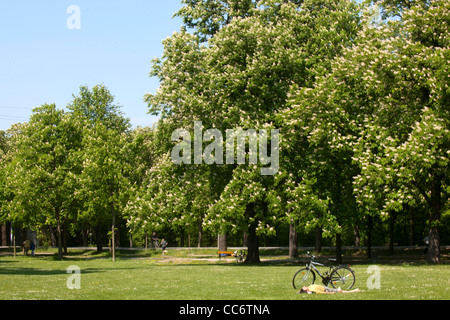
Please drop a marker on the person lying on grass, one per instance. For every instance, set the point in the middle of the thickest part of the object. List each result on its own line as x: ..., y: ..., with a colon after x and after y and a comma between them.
x: 315, y: 288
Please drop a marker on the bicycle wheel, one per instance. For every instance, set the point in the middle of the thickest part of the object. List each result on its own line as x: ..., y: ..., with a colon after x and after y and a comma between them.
x: 342, y: 277
x: 303, y: 277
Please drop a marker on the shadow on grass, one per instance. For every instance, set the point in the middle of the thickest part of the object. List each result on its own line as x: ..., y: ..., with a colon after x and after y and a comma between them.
x: 42, y: 272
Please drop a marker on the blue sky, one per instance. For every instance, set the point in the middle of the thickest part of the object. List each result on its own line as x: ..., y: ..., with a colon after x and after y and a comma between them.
x: 43, y: 61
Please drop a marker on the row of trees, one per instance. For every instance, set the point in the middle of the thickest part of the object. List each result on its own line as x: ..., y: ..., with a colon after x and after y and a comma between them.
x: 359, y: 93
x: 72, y: 170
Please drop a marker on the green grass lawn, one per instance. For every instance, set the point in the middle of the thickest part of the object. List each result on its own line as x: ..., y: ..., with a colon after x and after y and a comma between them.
x: 140, y: 277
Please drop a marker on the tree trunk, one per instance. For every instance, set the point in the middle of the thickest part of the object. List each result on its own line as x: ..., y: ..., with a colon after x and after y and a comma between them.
x: 391, y: 232
x: 222, y: 242
x: 318, y: 244
x: 252, y: 237
x: 52, y: 236
x: 182, y: 239
x: 357, y: 236
x: 369, y: 236
x: 338, y: 248
x: 64, y: 234
x: 253, y: 245
x: 59, y: 233
x: 411, y: 226
x: 293, y: 242
x: 131, y: 240
x: 245, y: 239
x: 200, y: 234
x: 98, y: 238
x: 146, y: 242
x: 84, y: 237
x: 14, y: 240
x: 113, y: 238
x: 434, y: 252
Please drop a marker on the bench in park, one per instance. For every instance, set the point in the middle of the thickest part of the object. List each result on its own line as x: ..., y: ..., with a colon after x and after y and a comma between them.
x: 225, y: 254
x: 239, y: 254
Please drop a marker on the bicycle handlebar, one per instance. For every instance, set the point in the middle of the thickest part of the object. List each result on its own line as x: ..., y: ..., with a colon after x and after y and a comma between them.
x: 309, y: 254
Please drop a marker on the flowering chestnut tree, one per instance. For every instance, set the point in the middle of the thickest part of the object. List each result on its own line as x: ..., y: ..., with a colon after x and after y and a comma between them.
x: 385, y: 107
x: 240, y: 78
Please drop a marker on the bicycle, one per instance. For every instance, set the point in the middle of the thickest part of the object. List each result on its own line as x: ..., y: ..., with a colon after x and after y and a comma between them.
x: 338, y: 276
x: 240, y: 255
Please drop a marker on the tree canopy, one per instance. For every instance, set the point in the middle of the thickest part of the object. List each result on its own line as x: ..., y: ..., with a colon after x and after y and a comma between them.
x: 352, y: 99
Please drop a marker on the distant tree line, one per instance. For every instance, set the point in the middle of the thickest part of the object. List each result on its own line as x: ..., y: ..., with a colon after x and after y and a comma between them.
x: 359, y: 92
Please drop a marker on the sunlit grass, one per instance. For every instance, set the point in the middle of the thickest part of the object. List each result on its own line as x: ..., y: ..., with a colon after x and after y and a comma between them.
x: 140, y: 277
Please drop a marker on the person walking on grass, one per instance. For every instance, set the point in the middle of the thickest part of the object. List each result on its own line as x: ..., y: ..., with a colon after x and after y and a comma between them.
x: 32, y: 248
x: 154, y: 239
x: 26, y: 247
x: 315, y: 288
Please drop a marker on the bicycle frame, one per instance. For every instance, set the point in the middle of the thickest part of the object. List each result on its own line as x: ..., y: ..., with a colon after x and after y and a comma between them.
x: 312, y: 265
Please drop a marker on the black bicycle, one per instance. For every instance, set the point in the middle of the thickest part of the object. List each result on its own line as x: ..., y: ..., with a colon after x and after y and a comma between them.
x: 341, y: 276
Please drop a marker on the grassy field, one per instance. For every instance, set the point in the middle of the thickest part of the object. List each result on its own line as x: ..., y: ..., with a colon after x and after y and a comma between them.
x: 195, y: 275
